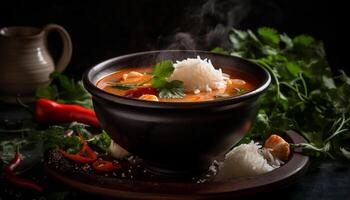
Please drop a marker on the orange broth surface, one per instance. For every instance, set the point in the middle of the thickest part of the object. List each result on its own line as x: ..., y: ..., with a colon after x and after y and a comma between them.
x: 238, y: 85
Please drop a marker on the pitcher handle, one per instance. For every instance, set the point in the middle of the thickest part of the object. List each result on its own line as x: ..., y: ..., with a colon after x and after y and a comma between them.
x: 67, y: 45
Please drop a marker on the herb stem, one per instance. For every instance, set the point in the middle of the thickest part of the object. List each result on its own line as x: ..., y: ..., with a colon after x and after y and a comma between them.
x: 301, y: 96
x: 339, y: 129
x: 304, y: 84
x: 263, y: 64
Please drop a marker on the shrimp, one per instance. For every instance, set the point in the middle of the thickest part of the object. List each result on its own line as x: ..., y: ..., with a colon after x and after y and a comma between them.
x: 279, y: 147
x: 132, y: 74
x: 149, y: 97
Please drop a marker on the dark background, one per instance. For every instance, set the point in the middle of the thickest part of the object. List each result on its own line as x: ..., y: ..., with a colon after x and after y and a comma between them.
x: 104, y: 29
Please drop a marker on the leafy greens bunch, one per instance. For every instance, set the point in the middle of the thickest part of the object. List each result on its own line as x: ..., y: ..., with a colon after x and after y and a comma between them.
x: 303, y: 95
x: 63, y: 136
x: 65, y: 90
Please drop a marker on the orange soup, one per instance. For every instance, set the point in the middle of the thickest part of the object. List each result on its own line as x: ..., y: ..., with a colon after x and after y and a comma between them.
x: 137, y: 83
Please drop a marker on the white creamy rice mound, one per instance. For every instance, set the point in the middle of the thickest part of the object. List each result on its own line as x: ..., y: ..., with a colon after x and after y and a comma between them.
x: 248, y: 160
x: 198, y: 75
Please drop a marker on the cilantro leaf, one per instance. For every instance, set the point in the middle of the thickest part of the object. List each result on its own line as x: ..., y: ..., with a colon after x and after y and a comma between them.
x: 270, y: 35
x: 303, y: 40
x: 219, y: 50
x: 171, y: 93
x: 102, y: 141
x: 65, y: 90
x: 158, y: 82
x: 47, y: 92
x: 166, y: 89
x: 328, y: 82
x: 287, y: 41
x: 174, y: 84
x: 173, y: 89
x: 163, y: 69
x: 293, y: 68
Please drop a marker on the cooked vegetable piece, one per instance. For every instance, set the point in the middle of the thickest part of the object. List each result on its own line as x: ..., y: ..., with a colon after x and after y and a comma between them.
x: 105, y: 166
x: 149, y: 97
x: 279, y: 147
x: 137, y: 92
x: 85, y: 155
x: 132, y: 74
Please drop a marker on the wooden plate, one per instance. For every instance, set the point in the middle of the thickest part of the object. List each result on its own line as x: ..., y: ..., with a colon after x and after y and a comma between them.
x: 150, y: 187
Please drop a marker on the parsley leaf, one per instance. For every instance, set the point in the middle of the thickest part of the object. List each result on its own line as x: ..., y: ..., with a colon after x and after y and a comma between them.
x: 47, y: 92
x: 166, y: 89
x: 158, y: 82
x: 293, y: 68
x: 102, y: 141
x: 171, y: 93
x: 303, y: 40
x: 270, y: 35
x: 173, y: 89
x: 163, y: 69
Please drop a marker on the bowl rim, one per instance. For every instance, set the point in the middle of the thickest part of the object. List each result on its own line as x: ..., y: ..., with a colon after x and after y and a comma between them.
x: 97, y: 92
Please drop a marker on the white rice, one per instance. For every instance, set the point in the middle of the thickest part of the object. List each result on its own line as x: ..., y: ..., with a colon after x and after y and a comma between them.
x: 248, y: 160
x: 198, y: 75
x: 273, y: 161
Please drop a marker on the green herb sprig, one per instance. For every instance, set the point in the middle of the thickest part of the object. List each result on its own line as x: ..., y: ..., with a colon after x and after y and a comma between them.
x: 55, y: 137
x: 65, y: 90
x: 166, y: 89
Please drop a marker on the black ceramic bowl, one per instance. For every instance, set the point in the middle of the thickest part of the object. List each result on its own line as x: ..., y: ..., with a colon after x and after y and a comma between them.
x: 176, y: 138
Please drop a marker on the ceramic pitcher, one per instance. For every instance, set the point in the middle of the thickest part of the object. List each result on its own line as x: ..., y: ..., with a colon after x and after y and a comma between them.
x: 25, y: 62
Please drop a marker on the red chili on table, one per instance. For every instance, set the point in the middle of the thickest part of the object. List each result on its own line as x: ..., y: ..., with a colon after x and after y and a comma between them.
x: 85, y: 155
x: 24, y: 183
x: 137, y: 92
x: 13, y: 164
x: 105, y: 166
x: 78, y: 157
x: 10, y: 177
x: 47, y: 111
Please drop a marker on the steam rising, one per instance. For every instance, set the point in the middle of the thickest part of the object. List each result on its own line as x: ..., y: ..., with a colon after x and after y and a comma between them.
x: 208, y: 25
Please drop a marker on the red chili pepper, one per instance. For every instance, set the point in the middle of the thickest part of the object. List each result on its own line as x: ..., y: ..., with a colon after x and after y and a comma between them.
x: 137, y: 92
x: 47, y: 111
x: 77, y: 157
x: 105, y: 166
x: 23, y: 183
x: 85, y: 155
x: 9, y: 169
x: 13, y: 163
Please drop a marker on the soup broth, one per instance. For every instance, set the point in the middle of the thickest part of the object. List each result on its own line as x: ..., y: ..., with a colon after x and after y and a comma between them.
x: 237, y: 84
